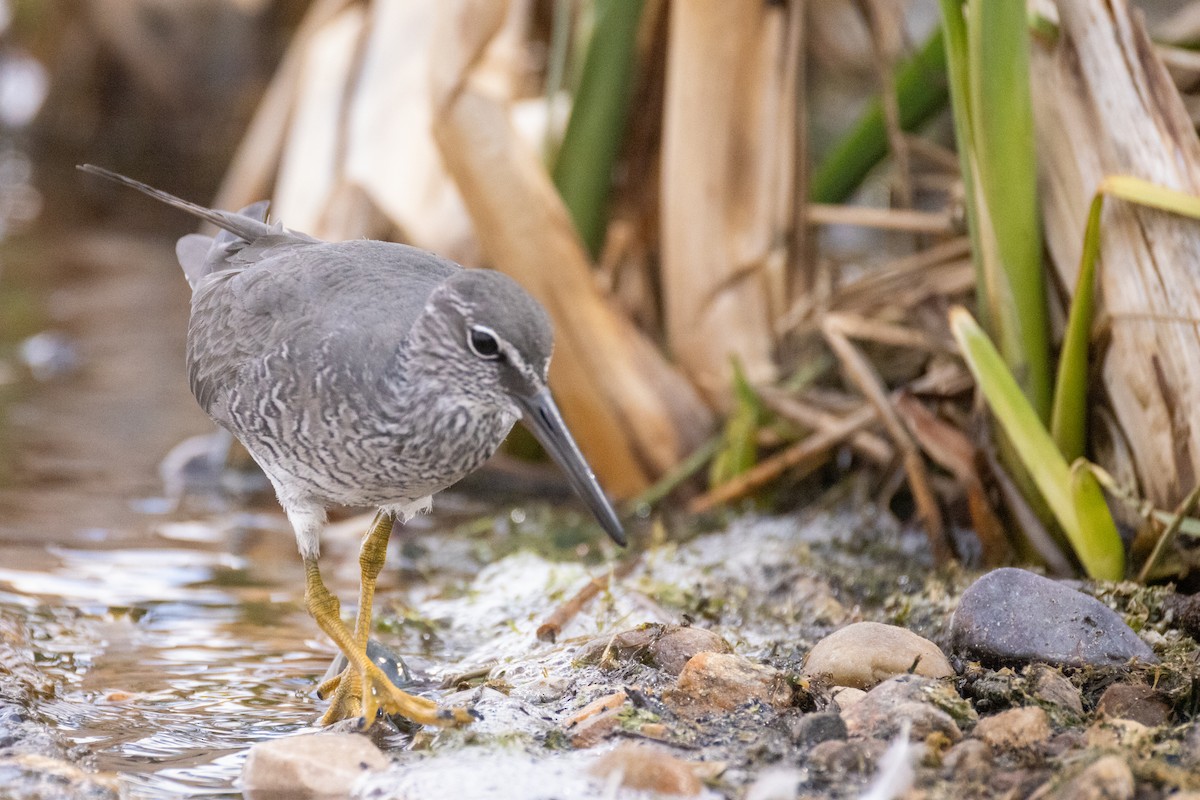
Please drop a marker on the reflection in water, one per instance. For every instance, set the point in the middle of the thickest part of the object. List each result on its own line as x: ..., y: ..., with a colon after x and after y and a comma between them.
x: 171, y: 661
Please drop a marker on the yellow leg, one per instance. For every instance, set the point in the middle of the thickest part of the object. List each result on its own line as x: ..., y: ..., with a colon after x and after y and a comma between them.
x: 345, y: 687
x: 366, y: 680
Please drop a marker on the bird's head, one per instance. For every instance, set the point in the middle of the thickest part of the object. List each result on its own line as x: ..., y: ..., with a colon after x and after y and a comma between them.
x: 501, y: 340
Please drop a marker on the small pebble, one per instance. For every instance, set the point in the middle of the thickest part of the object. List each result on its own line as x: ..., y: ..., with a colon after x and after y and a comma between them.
x: 36, y: 777
x: 1134, y: 701
x: 921, y: 700
x: 845, y: 696
x: 1106, y: 778
x: 810, y: 729
x: 724, y: 681
x: 666, y: 647
x: 648, y: 769
x: 309, y: 766
x: 1012, y: 616
x: 1015, y: 729
x: 1113, y: 734
x: 969, y: 761
x: 1050, y: 686
x: 837, y: 759
x: 866, y: 653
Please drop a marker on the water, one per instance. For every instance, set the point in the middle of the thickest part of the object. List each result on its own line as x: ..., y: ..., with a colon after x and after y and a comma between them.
x: 171, y: 660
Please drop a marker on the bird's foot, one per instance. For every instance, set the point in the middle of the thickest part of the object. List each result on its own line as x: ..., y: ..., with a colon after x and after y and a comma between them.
x: 364, y: 694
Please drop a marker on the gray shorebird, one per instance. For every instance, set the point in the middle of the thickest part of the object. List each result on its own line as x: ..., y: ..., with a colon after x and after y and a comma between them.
x: 363, y: 373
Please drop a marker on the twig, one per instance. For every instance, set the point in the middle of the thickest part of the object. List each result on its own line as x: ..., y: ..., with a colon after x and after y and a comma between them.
x: 549, y: 630
x: 1168, y: 535
x: 892, y: 219
x: 865, y: 443
x: 859, y: 371
x: 769, y: 469
x: 884, y: 35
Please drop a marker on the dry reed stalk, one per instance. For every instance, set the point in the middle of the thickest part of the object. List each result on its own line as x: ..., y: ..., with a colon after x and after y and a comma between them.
x: 728, y: 143
x: 633, y: 414
x: 885, y: 23
x: 880, y: 332
x: 950, y: 447
x: 862, y: 375
x: 252, y: 171
x: 1104, y: 104
x: 891, y: 219
x: 794, y: 409
x: 807, y: 453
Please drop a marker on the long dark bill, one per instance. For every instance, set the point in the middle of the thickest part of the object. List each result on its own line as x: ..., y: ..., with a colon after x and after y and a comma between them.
x: 543, y: 419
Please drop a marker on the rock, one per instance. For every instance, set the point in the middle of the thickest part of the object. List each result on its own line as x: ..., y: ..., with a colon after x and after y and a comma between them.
x: 648, y: 769
x: 845, y: 696
x: 724, y: 681
x: 1016, y: 729
x: 309, y: 766
x: 595, y: 721
x: 1048, y: 685
x: 811, y: 729
x: 836, y: 760
x: 921, y: 700
x: 1189, y: 752
x: 969, y: 761
x: 666, y: 647
x: 1134, y: 701
x: 1106, y: 778
x: 1114, y: 734
x: 1012, y: 616
x: 34, y: 777
x: 1186, y: 610
x: 865, y: 653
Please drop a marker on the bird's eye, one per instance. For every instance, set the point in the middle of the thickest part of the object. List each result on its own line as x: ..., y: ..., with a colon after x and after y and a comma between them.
x: 483, y: 342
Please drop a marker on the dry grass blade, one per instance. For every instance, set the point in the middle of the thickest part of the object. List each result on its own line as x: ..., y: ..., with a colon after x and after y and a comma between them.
x: 860, y: 373
x: 950, y: 448
x: 888, y: 333
x: 884, y: 20
x: 891, y: 219
x: 809, y: 452
x: 634, y: 416
x: 866, y: 444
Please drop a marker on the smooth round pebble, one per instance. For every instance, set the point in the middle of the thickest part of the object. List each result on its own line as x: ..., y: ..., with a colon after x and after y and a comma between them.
x: 1015, y: 729
x: 864, y: 654
x: 318, y: 765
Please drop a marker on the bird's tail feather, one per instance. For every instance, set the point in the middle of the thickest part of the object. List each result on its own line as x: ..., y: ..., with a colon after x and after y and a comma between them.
x: 239, y: 225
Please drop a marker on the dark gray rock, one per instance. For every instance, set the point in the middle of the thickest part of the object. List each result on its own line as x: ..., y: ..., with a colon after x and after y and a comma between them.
x: 1012, y: 616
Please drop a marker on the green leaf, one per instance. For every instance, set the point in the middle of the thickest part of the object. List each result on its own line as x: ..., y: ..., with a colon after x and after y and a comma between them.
x: 596, y: 128
x: 1076, y: 501
x: 920, y: 93
x: 738, y: 451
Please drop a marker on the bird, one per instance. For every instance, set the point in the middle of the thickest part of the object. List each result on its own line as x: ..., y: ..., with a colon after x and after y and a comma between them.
x: 363, y: 374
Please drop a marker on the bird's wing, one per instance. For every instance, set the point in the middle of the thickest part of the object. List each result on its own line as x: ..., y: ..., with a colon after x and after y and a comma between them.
x: 199, y: 254
x: 295, y: 306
